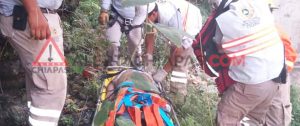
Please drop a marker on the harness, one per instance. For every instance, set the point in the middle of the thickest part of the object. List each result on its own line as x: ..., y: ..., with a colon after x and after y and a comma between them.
x: 139, y: 105
x: 125, y: 23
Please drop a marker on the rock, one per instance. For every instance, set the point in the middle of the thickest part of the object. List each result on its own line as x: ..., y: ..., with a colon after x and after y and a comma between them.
x: 69, y: 101
x: 84, y: 118
x: 82, y: 96
x: 75, y: 89
x: 67, y: 7
x: 10, y: 69
x: 13, y: 83
x: 91, y: 104
x: 12, y: 114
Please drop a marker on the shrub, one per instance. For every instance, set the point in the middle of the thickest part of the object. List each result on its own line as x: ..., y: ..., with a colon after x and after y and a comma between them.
x: 295, y: 99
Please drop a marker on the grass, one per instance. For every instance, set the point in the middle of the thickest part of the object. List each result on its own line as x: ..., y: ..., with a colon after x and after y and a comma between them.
x: 199, y: 109
x: 87, y: 46
x: 295, y: 99
x: 67, y: 120
x: 83, y: 37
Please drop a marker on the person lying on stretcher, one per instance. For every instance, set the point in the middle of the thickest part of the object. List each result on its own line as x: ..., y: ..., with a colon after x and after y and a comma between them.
x: 134, y: 99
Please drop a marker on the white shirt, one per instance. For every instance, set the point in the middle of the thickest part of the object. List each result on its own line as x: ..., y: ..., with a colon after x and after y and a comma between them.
x: 170, y: 16
x: 138, y: 14
x: 262, y: 65
x: 191, y: 16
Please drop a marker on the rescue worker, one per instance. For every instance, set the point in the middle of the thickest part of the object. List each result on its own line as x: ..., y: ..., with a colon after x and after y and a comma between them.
x: 167, y: 13
x: 190, y: 15
x: 254, y: 38
x: 29, y: 24
x: 280, y: 112
x: 120, y: 19
x: 191, y: 22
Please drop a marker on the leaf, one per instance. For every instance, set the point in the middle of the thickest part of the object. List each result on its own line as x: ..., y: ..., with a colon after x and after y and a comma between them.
x: 173, y: 34
x: 128, y: 3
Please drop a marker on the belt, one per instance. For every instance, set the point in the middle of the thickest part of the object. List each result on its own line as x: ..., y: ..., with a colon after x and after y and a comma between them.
x: 49, y: 11
x: 121, y: 19
x: 124, y: 21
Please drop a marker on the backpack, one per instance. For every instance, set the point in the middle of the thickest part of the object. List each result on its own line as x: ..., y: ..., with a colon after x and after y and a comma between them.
x: 204, y: 46
x: 212, y: 62
x: 216, y: 64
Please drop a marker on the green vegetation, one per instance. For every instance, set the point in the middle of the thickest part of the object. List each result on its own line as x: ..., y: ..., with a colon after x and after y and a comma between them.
x: 295, y: 99
x: 199, y: 109
x: 72, y: 107
x: 86, y: 46
x: 67, y: 120
x: 90, y: 89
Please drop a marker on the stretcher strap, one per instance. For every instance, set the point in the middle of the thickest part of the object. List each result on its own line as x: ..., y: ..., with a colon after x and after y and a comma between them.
x: 111, y: 119
x: 149, y: 117
x: 165, y: 117
x: 158, y: 118
x: 133, y: 100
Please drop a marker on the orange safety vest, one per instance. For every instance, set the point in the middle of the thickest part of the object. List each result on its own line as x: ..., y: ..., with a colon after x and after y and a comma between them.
x: 290, y: 52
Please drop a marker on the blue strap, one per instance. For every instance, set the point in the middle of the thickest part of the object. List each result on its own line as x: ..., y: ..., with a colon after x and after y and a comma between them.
x: 127, y: 100
x: 130, y: 90
x: 166, y: 119
x: 143, y: 99
x: 120, y: 104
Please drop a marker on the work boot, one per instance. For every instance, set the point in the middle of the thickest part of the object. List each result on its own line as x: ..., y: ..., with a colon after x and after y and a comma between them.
x: 137, y: 62
x: 178, y: 87
x: 148, y: 63
x: 113, y: 55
